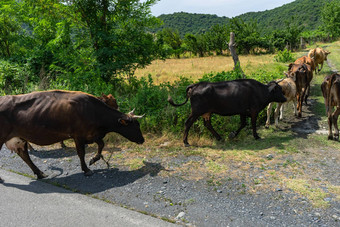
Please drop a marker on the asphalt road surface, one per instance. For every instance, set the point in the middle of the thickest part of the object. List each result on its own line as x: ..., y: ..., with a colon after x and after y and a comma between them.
x: 28, y: 202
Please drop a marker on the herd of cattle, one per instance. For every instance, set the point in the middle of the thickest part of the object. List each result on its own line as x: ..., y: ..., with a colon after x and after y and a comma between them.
x: 48, y: 117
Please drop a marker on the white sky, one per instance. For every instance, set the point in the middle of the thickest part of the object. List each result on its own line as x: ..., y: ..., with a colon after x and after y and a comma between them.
x: 228, y: 8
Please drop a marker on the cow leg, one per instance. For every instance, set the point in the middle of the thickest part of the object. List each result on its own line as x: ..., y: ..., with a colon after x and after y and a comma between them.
x: 278, y: 110
x: 188, y: 123
x: 269, y: 110
x: 24, y: 156
x: 62, y: 144
x: 207, y: 123
x: 307, y: 93
x: 335, y: 116
x: 99, y: 155
x: 294, y: 106
x: 321, y: 67
x: 253, y: 124
x: 80, y: 146
x: 242, y: 125
x: 330, y: 123
x: 1, y: 180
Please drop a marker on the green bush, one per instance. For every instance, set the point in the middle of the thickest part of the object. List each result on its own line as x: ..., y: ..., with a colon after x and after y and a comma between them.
x: 284, y: 56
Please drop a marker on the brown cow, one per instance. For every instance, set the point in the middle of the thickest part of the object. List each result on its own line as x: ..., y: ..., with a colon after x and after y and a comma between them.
x: 308, y: 61
x: 331, y: 93
x: 302, y: 76
x: 319, y: 55
x: 108, y: 100
x: 48, y: 117
x: 289, y: 91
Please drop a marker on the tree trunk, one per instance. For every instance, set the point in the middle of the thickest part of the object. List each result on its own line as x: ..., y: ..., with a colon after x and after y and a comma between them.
x: 232, y: 49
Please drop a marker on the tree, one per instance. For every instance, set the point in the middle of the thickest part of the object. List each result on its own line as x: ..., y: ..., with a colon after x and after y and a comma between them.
x: 172, y: 38
x: 117, y: 30
x: 196, y: 44
x: 9, y: 29
x: 217, y: 38
x: 330, y: 17
x: 247, y: 35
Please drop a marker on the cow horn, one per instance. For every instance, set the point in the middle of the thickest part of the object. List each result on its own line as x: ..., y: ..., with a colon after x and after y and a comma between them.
x: 131, y: 112
x: 278, y: 81
x: 137, y: 116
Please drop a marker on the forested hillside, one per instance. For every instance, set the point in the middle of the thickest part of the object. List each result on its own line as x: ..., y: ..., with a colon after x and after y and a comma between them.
x: 191, y: 22
x: 301, y: 12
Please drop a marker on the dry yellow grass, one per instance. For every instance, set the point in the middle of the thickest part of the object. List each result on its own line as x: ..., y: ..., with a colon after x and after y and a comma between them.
x: 170, y: 70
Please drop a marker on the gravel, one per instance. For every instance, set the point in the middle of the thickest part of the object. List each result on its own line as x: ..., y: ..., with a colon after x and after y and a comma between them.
x: 187, y: 202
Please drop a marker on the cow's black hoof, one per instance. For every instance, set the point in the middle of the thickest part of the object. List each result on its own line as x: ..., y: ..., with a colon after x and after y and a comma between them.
x: 336, y: 137
x: 187, y: 145
x: 266, y: 126
x: 89, y: 173
x: 1, y: 181
x: 42, y: 175
x: 330, y: 137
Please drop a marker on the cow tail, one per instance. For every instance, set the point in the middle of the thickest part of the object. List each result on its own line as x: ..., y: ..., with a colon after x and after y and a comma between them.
x: 188, y: 95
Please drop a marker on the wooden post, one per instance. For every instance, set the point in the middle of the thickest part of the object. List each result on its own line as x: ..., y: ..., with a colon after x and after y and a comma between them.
x: 302, y: 43
x: 232, y: 49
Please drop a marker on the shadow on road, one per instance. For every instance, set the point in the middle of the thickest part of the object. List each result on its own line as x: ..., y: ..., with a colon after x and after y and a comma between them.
x: 101, y: 180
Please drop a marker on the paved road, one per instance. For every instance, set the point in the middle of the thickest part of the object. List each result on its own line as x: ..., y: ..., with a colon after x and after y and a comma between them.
x: 27, y: 202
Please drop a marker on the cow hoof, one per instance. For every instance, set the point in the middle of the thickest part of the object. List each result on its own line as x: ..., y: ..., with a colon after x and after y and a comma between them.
x: 89, y: 173
x: 299, y: 115
x: 187, y: 145
x: 1, y: 181
x: 42, y: 176
x: 330, y: 137
x: 266, y: 126
x: 95, y: 159
x: 257, y: 137
x: 336, y: 138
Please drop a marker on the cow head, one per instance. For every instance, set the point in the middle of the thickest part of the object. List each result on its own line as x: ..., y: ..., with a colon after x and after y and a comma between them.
x: 129, y: 127
x: 275, y: 92
x: 326, y: 54
x: 295, y: 69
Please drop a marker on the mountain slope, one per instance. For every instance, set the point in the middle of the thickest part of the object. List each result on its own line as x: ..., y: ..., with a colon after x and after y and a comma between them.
x: 301, y: 12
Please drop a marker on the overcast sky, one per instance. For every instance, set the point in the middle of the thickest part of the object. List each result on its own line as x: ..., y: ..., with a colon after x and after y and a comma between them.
x: 228, y: 8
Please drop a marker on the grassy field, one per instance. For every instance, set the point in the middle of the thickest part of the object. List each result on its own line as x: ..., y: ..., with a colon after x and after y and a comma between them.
x: 281, y: 159
x: 171, y: 69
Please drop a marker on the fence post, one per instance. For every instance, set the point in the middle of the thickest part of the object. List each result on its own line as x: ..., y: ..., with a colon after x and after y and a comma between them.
x: 232, y: 49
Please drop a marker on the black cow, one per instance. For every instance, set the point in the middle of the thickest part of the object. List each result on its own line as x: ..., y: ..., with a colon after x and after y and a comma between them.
x: 49, y: 117
x: 245, y: 97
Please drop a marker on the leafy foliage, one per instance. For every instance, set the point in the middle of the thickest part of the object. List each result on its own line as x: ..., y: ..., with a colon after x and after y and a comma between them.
x: 284, y: 56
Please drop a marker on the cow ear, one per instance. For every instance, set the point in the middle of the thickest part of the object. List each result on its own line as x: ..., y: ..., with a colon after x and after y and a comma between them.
x: 122, y: 121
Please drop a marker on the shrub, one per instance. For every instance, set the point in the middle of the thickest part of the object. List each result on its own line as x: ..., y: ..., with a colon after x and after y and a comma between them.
x: 284, y: 56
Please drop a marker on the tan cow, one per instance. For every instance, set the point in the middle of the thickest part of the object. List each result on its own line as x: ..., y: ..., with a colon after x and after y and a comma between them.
x: 319, y: 55
x: 289, y: 91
